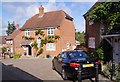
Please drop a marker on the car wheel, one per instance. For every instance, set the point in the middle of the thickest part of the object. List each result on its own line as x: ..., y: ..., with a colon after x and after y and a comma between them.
x: 64, y: 75
x: 53, y: 66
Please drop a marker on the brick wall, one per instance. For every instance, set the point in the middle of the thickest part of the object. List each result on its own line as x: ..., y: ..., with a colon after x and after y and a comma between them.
x: 93, y: 31
x: 67, y: 35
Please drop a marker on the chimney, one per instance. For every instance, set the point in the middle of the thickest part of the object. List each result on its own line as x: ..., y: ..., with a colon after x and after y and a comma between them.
x: 41, y: 11
x: 17, y: 26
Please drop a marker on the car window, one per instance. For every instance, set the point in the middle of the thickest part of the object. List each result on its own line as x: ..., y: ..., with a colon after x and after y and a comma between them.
x: 73, y: 55
x: 59, y: 55
x: 63, y: 55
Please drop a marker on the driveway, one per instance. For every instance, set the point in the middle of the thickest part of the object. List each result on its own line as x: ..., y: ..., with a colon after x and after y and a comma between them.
x: 32, y: 69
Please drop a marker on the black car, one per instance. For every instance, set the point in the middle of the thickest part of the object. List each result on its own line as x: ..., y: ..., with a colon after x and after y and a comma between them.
x: 76, y: 64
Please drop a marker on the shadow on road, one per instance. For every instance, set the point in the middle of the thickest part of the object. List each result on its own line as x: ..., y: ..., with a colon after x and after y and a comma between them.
x: 14, y: 74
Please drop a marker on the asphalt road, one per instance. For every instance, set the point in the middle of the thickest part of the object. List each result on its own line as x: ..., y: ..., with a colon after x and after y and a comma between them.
x: 32, y: 69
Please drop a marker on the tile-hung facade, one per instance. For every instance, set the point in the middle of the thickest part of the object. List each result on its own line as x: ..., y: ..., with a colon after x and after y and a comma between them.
x: 51, y: 23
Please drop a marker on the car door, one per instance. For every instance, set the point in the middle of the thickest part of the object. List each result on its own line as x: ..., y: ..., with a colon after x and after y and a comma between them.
x: 56, y: 62
x: 61, y: 61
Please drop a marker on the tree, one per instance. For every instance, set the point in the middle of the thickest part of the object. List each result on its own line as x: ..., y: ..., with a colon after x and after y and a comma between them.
x: 107, y: 13
x: 80, y: 37
x: 11, y: 28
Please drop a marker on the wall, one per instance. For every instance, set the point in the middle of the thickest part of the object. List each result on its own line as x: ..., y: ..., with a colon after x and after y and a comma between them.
x: 67, y: 32
x: 67, y: 35
x: 93, y: 31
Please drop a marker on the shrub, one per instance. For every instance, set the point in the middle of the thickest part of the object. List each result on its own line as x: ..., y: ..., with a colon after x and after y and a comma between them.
x: 108, y: 72
x: 17, y: 56
x: 99, y: 53
x: 3, y: 50
x: 48, y: 56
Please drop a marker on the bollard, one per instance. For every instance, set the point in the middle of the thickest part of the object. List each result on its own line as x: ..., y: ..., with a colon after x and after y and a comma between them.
x: 79, y: 74
x: 96, y: 77
x: 113, y: 70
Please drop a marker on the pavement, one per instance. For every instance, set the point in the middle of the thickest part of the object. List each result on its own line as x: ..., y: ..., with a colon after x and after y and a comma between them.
x: 33, y: 69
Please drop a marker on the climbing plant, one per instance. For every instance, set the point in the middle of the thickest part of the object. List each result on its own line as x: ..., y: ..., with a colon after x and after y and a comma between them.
x: 27, y: 38
x: 44, y: 41
x: 107, y: 13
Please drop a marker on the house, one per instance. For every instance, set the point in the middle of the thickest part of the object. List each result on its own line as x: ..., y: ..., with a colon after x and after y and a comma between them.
x: 98, y: 35
x: 2, y: 42
x: 94, y: 30
x: 51, y: 23
x: 11, y: 40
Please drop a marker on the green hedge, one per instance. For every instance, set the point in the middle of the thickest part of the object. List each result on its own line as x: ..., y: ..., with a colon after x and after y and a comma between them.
x: 17, y: 56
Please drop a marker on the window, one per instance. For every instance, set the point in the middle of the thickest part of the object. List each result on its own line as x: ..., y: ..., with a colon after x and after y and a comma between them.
x: 91, y: 42
x: 64, y: 55
x: 91, y: 22
x: 51, y: 46
x: 27, y: 33
x: 101, y: 29
x: 38, y: 42
x: 74, y: 55
x: 50, y: 31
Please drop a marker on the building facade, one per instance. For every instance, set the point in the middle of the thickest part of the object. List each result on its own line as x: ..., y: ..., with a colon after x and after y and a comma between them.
x: 51, y: 24
x: 93, y: 30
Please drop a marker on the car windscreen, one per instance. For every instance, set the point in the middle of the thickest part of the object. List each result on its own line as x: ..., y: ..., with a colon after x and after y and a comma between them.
x: 77, y: 54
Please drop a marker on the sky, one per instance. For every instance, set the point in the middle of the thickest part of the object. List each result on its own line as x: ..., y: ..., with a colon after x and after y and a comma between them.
x: 19, y: 12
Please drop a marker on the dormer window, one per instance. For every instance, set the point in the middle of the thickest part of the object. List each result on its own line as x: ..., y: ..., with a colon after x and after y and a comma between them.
x: 27, y: 33
x: 50, y: 31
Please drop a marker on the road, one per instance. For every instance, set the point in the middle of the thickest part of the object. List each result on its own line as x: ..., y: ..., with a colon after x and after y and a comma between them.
x: 32, y: 69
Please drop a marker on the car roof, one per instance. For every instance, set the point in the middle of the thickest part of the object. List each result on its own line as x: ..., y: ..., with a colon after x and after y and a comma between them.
x: 73, y: 51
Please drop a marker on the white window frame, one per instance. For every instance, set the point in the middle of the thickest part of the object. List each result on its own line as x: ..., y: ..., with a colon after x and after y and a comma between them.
x: 50, y: 30
x: 39, y: 42
x: 91, y: 42
x: 91, y: 22
x: 50, y: 47
x: 27, y: 33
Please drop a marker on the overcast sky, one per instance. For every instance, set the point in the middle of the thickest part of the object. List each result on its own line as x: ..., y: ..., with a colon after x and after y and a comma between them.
x: 22, y: 11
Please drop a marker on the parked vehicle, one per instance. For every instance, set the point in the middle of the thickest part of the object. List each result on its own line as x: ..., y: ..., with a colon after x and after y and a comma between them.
x: 76, y: 64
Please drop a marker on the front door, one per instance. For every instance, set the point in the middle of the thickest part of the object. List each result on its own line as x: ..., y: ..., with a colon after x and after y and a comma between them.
x: 29, y: 50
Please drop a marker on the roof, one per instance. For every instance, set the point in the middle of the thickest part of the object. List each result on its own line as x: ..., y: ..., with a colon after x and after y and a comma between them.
x: 49, y: 19
x: 13, y: 35
x: 114, y: 32
x: 25, y: 43
x: 97, y: 3
x: 2, y: 40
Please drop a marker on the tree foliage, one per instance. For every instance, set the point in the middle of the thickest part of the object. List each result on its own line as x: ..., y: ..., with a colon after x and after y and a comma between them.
x: 107, y: 13
x: 79, y: 36
x: 11, y: 28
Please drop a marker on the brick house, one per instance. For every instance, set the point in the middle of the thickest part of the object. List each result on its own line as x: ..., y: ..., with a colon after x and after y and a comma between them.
x: 51, y: 23
x: 11, y: 40
x: 94, y: 30
x: 2, y: 43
